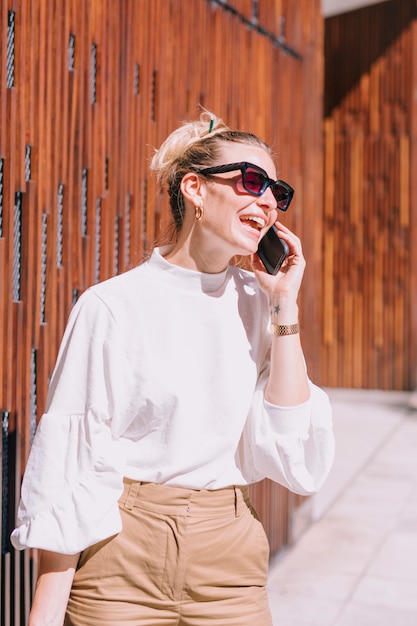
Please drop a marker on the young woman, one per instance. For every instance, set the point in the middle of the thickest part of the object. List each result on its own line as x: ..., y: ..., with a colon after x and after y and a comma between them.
x: 177, y: 384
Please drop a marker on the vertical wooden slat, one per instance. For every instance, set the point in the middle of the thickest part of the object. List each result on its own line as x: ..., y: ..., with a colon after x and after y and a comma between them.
x: 370, y: 107
x: 413, y: 215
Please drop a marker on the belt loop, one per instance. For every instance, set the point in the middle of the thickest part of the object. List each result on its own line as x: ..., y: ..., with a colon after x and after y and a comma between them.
x: 132, y: 495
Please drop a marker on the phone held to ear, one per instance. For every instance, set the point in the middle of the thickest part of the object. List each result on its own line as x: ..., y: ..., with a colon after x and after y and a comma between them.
x: 272, y: 250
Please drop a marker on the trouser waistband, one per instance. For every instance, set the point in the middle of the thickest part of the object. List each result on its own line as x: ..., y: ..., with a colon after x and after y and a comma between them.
x: 182, y: 501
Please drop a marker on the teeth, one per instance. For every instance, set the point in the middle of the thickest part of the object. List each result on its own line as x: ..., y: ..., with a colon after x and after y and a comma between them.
x: 255, y: 218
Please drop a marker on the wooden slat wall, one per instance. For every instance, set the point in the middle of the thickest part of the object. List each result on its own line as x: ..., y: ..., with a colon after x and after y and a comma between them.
x: 87, y: 89
x: 370, y: 228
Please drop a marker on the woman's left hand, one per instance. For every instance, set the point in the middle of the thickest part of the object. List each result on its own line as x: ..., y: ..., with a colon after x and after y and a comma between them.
x: 287, y: 281
x: 287, y: 381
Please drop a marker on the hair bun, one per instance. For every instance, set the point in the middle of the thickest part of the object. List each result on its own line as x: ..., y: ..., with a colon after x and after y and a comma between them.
x: 179, y: 142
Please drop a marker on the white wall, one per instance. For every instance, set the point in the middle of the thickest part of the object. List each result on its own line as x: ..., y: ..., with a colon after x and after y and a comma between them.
x: 334, y: 7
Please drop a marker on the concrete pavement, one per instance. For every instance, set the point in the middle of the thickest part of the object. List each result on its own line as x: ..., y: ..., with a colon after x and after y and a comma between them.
x: 355, y: 563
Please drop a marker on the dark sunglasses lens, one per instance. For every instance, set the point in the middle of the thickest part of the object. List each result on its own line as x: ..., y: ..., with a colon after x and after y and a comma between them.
x: 253, y: 181
x: 256, y: 183
x: 281, y: 195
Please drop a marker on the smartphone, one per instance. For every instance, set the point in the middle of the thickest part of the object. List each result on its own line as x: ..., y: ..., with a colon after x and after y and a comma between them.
x: 272, y: 250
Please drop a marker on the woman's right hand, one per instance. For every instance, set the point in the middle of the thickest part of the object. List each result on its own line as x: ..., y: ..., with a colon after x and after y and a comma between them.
x: 56, y: 573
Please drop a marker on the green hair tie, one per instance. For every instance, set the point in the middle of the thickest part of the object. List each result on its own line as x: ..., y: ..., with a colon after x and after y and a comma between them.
x: 211, y: 125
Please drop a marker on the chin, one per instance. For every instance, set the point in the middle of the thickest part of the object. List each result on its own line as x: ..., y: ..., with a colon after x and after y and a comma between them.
x: 249, y: 249
x: 244, y: 246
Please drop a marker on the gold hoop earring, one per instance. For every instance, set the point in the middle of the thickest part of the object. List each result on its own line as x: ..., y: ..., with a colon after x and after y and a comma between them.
x: 199, y: 212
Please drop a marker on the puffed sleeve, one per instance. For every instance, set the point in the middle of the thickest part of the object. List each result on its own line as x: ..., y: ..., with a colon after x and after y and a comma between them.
x: 74, y: 475
x: 293, y: 446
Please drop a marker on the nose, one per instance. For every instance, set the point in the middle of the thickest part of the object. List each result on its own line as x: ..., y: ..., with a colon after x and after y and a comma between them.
x: 267, y: 200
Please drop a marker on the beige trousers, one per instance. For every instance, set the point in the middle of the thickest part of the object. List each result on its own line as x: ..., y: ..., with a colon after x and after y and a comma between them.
x: 183, y: 558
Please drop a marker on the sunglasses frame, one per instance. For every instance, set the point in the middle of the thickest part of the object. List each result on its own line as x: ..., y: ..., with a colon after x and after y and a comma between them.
x: 243, y: 166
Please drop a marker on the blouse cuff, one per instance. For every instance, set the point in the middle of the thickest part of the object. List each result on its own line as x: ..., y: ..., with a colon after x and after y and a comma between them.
x: 66, y: 515
x: 292, y: 420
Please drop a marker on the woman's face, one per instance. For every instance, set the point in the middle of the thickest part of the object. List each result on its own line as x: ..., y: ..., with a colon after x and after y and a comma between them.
x: 234, y: 220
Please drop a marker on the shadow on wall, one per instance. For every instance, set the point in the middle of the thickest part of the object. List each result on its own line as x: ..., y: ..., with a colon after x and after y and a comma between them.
x: 377, y: 26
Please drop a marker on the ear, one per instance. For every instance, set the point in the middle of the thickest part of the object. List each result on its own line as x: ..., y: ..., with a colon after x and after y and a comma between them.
x: 193, y: 188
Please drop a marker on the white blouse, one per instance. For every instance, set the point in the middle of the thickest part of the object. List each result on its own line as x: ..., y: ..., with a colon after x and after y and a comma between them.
x: 160, y: 378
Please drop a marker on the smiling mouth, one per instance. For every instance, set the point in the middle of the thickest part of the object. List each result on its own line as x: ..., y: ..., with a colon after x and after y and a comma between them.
x: 253, y: 223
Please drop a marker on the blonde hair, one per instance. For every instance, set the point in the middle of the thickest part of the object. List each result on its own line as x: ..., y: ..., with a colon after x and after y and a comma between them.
x: 192, y: 146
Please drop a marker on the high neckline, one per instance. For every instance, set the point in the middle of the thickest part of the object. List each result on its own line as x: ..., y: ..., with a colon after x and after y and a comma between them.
x: 186, y: 278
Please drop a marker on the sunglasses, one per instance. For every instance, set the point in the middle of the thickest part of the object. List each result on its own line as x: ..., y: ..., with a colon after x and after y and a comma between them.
x: 255, y: 181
